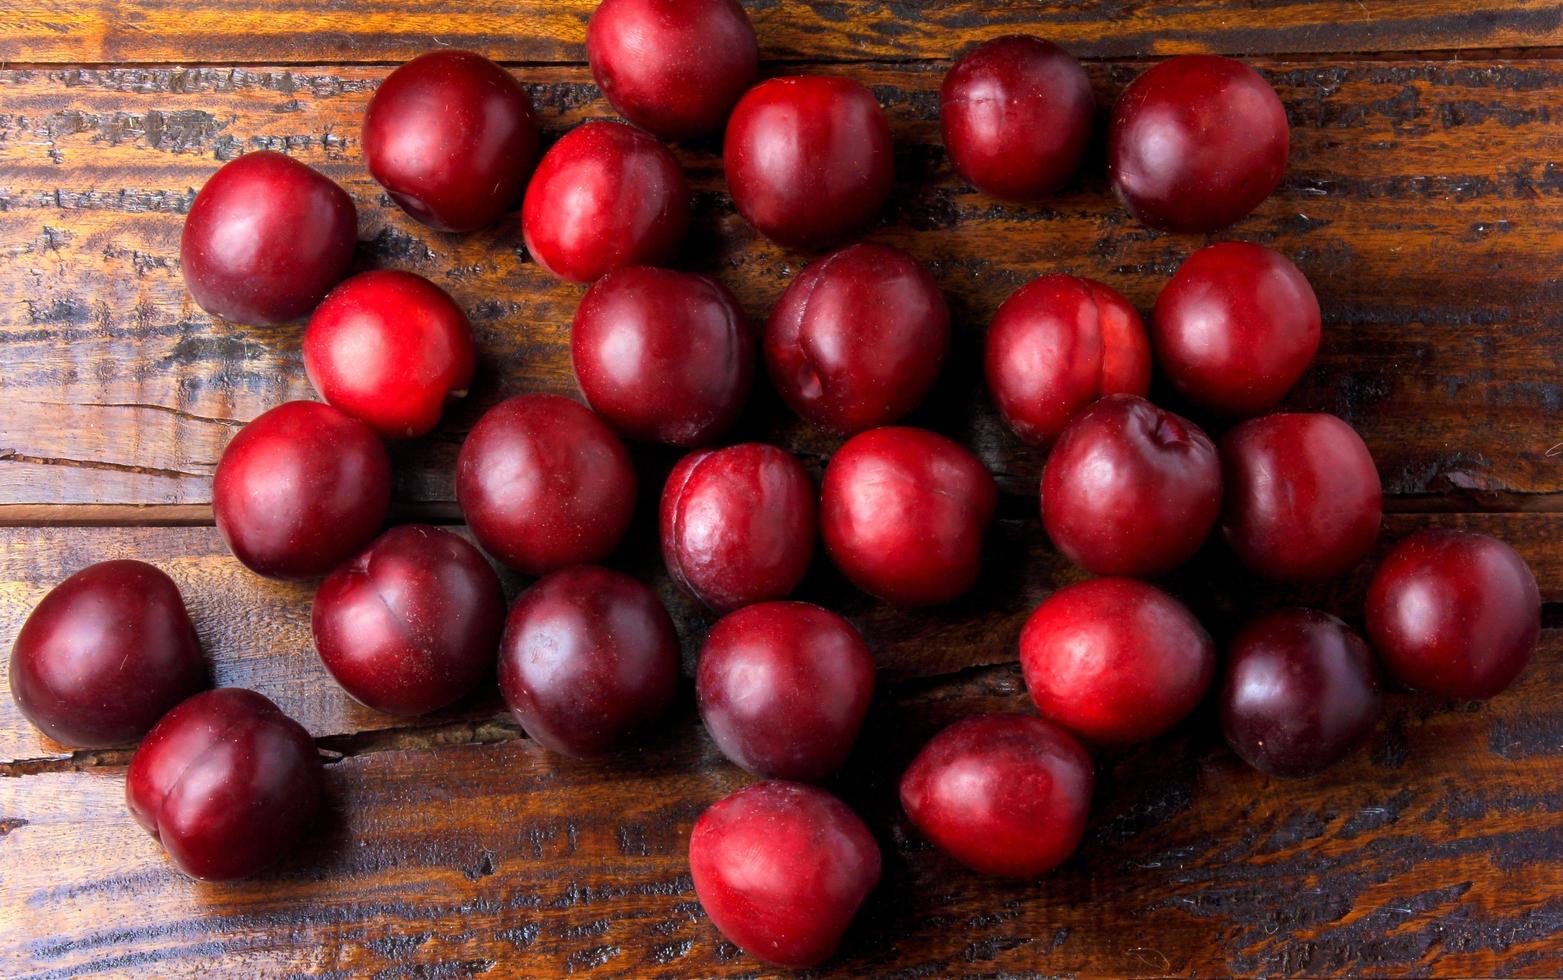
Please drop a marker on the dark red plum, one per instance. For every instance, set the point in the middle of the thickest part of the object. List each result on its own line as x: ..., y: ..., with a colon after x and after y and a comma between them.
x: 674, y: 67
x: 1236, y: 328
x: 1003, y: 794
x: 412, y: 623
x: 783, y: 689
x: 1303, y: 500
x: 663, y: 356
x: 451, y: 137
x: 544, y: 484
x: 781, y: 868
x: 389, y: 348
x: 808, y: 159
x: 266, y: 239
x: 1115, y: 660
x: 1130, y: 489
x: 606, y: 196
x: 300, y: 490
x: 738, y: 524
x: 1300, y: 692
x: 1454, y: 613
x: 105, y: 654
x: 1058, y: 344
x: 1196, y: 142
x: 227, y: 783
x: 1016, y: 115
x: 858, y: 337
x: 903, y: 513
x: 588, y: 655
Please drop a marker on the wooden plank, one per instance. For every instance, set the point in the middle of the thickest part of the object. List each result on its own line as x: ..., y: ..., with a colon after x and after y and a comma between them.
x: 256, y: 632
x: 127, y: 31
x: 121, y: 391
x: 1435, y: 850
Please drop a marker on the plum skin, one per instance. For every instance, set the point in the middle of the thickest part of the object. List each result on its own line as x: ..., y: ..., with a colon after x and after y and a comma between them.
x: 1303, y: 501
x: 412, y: 623
x: 105, y: 654
x: 1130, y: 489
x: 587, y: 654
x: 389, y: 348
x: 1454, y: 613
x: 903, y: 513
x: 265, y: 239
x: 673, y: 67
x: 663, y: 356
x: 1300, y: 692
x: 1016, y: 116
x: 1196, y: 142
x: 451, y: 137
x: 808, y: 159
x: 1115, y: 660
x: 857, y: 338
x: 227, y: 783
x: 300, y: 489
x: 781, y: 868
x: 1056, y: 345
x: 783, y: 688
x: 544, y: 484
x: 1004, y: 794
x: 738, y: 524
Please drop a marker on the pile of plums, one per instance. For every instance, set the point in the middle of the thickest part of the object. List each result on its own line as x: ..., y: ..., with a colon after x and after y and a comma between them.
x: 411, y: 619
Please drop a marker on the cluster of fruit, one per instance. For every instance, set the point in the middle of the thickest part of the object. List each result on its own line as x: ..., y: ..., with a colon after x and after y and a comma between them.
x: 411, y: 620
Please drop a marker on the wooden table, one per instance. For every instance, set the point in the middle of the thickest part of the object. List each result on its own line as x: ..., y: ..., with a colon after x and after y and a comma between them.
x: 1424, y: 200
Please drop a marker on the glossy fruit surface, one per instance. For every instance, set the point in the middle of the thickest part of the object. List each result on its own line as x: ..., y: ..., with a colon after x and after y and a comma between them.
x: 1196, y: 142
x: 784, y: 687
x: 903, y: 513
x: 588, y: 654
x: 1016, y: 115
x: 1058, y: 344
x: 674, y: 67
x: 606, y: 196
x: 227, y: 783
x: 266, y: 238
x: 300, y: 489
x: 412, y: 622
x: 451, y: 137
x: 857, y: 339
x: 1300, y: 692
x: 388, y: 348
x: 808, y: 159
x: 1003, y: 794
x: 1454, y: 613
x: 544, y: 484
x: 1115, y: 660
x: 1302, y: 500
x: 1236, y: 328
x: 663, y: 356
x: 738, y: 524
x: 781, y: 868
x: 1130, y: 489
x: 105, y: 654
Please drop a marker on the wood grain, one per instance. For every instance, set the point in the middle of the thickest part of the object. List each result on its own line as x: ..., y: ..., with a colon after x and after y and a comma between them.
x: 255, y: 632
x: 258, y: 31
x: 1434, y: 850
x: 120, y: 390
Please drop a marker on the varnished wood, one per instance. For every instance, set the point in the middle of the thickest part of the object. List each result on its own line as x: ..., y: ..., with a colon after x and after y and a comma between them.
x: 1435, y: 848
x: 120, y: 390
x: 112, y: 31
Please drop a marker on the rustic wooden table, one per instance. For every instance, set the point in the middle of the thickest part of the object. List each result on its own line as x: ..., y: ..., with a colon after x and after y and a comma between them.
x: 1424, y: 200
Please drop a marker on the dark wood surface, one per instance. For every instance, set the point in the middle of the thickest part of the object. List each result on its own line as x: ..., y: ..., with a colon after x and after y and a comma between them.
x: 1424, y: 199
